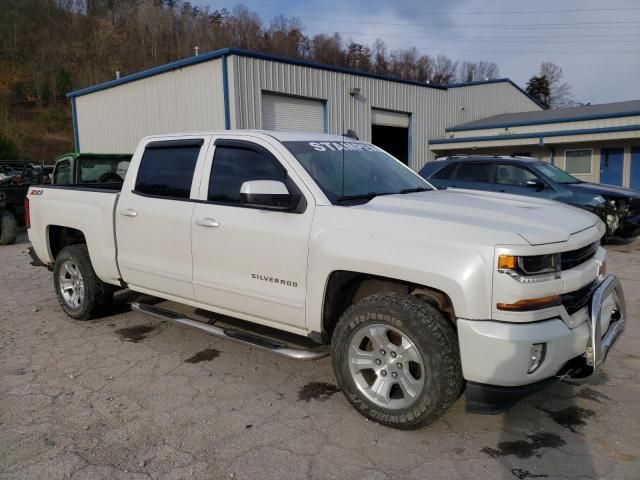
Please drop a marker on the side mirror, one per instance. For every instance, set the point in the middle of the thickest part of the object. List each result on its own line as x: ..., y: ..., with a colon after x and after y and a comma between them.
x: 537, y: 184
x: 269, y: 194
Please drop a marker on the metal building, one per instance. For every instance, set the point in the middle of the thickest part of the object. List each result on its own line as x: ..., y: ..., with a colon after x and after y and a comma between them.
x: 237, y: 89
x: 596, y: 143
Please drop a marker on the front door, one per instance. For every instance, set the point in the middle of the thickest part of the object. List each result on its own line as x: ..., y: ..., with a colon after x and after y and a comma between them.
x: 153, y: 220
x: 611, y: 163
x: 250, y: 262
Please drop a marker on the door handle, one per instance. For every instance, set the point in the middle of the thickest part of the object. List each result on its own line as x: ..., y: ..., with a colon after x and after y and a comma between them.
x: 129, y: 212
x: 207, y: 222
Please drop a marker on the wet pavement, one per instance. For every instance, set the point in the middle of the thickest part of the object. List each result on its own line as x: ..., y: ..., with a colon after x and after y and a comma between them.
x: 126, y: 396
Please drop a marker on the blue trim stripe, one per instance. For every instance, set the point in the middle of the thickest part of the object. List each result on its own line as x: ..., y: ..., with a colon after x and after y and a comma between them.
x: 524, y: 123
x: 540, y: 135
x: 74, y: 119
x: 225, y: 93
x: 204, y: 57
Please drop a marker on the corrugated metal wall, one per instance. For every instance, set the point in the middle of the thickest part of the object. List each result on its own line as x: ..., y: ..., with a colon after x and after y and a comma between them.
x: 432, y: 110
x: 192, y: 98
x: 115, y: 119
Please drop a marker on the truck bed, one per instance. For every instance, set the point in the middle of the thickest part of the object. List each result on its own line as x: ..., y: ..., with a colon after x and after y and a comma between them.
x: 88, y: 208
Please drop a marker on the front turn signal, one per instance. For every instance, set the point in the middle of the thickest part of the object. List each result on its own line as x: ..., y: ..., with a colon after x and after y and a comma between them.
x: 531, y: 304
x: 507, y: 262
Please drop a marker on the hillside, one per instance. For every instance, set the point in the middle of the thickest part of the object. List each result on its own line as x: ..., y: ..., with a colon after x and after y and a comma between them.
x: 49, y: 47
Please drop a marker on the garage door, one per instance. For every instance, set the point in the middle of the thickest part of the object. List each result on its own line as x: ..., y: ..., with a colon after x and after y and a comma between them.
x: 292, y: 113
x: 389, y: 119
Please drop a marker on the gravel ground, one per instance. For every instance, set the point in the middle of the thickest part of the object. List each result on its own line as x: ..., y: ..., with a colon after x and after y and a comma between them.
x: 130, y: 397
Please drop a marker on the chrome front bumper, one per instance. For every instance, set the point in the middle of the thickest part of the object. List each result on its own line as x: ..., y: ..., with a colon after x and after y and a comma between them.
x: 607, y: 319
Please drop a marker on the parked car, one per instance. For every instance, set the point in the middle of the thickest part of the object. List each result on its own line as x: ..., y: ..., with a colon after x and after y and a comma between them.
x: 15, y: 178
x: 307, y: 244
x: 84, y: 168
x: 619, y: 208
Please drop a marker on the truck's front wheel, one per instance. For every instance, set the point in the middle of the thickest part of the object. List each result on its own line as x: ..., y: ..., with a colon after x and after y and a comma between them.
x: 80, y: 292
x: 396, y: 360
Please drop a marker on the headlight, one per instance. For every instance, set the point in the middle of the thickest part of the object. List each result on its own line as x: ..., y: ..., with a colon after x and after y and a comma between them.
x: 531, y: 268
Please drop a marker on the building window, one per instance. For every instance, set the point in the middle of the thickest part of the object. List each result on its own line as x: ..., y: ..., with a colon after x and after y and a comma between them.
x: 578, y: 162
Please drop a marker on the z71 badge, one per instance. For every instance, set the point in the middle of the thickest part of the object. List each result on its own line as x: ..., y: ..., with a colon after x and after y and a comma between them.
x: 36, y: 191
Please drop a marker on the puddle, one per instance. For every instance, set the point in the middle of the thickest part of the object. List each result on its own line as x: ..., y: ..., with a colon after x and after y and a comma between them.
x: 522, y: 474
x: 524, y: 448
x: 591, y: 394
x: 135, y: 334
x: 320, y: 391
x: 570, y: 417
x: 205, y: 355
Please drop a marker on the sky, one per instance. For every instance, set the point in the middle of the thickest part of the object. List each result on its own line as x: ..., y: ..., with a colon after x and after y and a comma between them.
x: 596, y: 42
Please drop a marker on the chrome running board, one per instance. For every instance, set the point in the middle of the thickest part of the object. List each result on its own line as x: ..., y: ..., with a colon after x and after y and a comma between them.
x: 240, y: 336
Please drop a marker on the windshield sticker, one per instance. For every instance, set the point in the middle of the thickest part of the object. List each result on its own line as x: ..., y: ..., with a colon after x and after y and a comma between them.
x: 339, y: 146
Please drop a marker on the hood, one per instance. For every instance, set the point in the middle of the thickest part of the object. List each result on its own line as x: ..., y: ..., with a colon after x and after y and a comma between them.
x: 538, y: 221
x: 602, y: 189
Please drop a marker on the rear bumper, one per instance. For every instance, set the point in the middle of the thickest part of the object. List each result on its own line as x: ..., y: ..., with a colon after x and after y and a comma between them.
x: 496, y: 355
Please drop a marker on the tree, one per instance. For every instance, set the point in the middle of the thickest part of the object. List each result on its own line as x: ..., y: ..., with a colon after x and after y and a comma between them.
x: 358, y: 57
x: 559, y: 91
x: 538, y: 88
x: 8, y: 149
x: 444, y: 70
x: 478, y: 71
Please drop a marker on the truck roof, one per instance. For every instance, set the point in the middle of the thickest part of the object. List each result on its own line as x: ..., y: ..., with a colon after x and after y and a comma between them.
x: 282, y: 136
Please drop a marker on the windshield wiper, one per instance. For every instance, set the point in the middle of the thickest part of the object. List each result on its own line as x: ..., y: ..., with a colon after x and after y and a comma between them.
x: 362, y: 196
x: 415, y: 190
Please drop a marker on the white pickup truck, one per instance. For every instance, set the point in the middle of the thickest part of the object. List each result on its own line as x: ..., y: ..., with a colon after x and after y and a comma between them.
x: 309, y: 244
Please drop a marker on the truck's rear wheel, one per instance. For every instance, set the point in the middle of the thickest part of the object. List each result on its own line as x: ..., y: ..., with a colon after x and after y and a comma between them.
x: 80, y: 292
x: 8, y: 227
x: 396, y: 360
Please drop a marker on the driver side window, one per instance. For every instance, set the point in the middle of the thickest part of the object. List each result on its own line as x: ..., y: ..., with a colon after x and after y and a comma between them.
x: 508, y: 174
x: 232, y: 166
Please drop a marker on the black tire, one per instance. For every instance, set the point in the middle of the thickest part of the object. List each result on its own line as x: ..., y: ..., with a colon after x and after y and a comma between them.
x: 8, y: 227
x: 97, y: 294
x: 433, y: 337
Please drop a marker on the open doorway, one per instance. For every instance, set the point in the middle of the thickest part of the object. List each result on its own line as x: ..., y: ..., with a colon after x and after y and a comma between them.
x: 390, y: 131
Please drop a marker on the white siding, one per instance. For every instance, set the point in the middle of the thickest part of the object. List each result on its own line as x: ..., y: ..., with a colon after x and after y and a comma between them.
x: 432, y: 110
x: 115, y: 119
x: 390, y: 119
x: 280, y: 112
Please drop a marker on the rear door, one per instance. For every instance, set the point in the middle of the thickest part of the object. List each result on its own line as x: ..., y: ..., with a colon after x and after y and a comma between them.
x: 153, y: 218
x: 250, y: 262
x: 474, y: 175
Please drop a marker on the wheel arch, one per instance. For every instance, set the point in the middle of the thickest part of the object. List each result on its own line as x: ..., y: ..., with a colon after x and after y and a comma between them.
x: 344, y: 288
x: 59, y: 236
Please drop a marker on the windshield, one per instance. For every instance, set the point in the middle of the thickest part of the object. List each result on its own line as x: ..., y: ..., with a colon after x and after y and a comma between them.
x: 345, y: 170
x: 555, y: 174
x: 102, y: 170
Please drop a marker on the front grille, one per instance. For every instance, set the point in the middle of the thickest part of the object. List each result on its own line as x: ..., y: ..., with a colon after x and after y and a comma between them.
x: 574, y: 301
x: 577, y: 257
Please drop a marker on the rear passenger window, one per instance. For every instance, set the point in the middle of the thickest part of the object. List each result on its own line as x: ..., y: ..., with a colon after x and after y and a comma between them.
x: 446, y: 172
x: 63, y: 173
x: 167, y: 171
x: 233, y: 166
x: 475, y: 172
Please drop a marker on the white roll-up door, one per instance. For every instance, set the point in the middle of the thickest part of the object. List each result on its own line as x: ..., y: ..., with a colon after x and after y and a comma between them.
x: 280, y: 112
x: 390, y: 119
